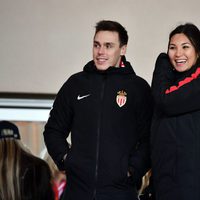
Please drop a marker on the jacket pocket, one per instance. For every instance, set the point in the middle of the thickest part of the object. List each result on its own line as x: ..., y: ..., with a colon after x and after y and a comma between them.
x: 127, y: 178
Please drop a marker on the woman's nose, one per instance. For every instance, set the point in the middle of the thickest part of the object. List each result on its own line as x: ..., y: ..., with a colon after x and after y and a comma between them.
x: 178, y: 52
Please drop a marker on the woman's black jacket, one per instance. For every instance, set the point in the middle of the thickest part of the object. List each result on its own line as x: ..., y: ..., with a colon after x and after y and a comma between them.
x: 175, y: 138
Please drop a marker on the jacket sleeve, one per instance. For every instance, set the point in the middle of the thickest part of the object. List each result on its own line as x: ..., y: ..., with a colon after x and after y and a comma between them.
x: 171, y: 98
x: 58, y: 126
x: 139, y: 161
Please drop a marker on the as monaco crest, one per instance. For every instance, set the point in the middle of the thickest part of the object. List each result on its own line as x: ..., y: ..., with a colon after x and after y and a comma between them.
x: 121, y: 98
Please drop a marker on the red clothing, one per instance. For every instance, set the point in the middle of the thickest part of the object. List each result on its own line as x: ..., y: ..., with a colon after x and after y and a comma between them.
x: 58, y: 189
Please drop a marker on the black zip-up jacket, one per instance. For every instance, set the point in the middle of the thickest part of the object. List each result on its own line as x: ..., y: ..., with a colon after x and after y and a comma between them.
x: 175, y: 138
x: 108, y: 114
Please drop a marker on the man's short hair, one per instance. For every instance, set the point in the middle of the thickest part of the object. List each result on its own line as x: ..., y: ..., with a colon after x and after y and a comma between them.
x: 107, y: 25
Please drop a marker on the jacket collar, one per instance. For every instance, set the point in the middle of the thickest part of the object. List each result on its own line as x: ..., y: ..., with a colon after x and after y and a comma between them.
x: 91, y: 68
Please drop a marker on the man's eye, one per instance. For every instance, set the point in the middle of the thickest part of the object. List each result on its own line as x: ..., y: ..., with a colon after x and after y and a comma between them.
x: 108, y: 46
x: 96, y: 45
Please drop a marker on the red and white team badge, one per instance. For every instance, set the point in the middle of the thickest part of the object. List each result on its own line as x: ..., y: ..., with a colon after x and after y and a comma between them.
x: 121, y: 98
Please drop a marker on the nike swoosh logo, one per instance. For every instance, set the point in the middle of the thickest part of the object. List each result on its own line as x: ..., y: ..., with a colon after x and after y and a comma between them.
x: 82, y: 97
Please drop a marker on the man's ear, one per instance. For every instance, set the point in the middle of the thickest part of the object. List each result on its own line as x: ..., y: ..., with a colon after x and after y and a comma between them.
x: 123, y: 50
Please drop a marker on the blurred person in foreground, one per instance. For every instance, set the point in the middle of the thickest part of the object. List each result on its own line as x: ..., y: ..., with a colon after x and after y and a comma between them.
x: 22, y: 175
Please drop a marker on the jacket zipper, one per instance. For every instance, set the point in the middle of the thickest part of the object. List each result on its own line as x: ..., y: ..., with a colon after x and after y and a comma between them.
x: 98, y: 135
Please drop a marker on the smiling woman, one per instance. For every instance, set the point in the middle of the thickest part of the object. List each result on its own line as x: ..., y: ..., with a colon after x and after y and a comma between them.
x: 176, y: 123
x: 182, y: 52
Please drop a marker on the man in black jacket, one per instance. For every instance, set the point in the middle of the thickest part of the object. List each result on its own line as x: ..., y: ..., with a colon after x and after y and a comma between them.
x: 107, y: 108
